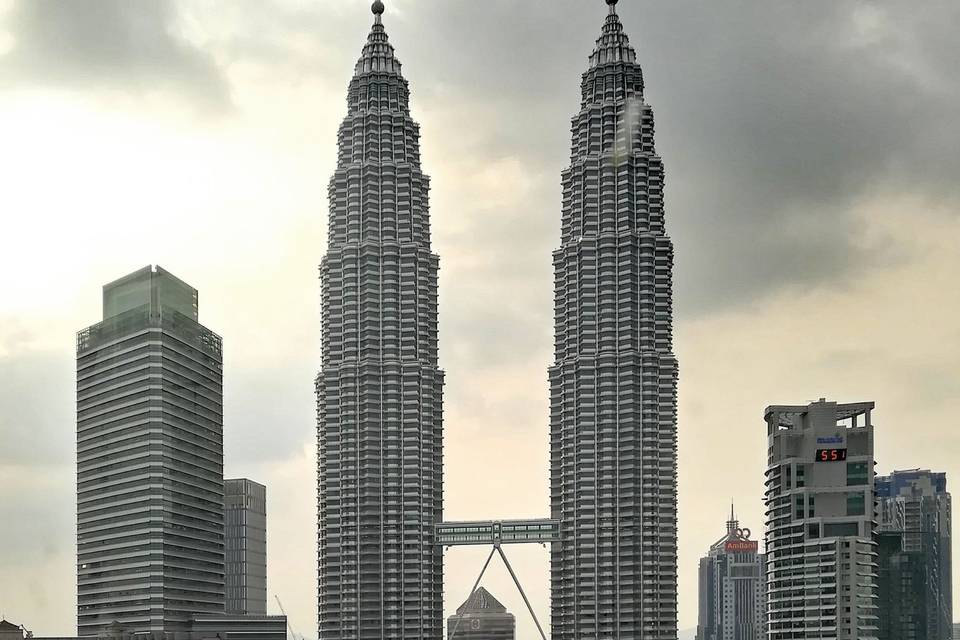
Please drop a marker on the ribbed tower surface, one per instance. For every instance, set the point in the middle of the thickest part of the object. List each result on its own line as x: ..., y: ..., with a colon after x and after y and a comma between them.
x: 379, y: 394
x: 613, y: 422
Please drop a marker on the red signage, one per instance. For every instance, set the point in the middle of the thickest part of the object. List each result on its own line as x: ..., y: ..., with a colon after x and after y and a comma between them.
x: 741, y: 546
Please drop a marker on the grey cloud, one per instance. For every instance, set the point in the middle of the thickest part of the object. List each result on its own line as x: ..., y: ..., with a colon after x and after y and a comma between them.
x: 133, y: 47
x: 266, y: 418
x: 36, y: 431
x: 774, y: 119
x: 38, y: 518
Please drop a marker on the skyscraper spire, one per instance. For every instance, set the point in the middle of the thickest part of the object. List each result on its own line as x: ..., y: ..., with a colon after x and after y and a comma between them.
x: 379, y: 392
x: 613, y: 386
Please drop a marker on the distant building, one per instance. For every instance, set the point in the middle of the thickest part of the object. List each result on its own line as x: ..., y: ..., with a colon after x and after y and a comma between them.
x: 732, y: 588
x: 10, y: 631
x: 956, y: 631
x: 149, y: 460
x: 481, y: 617
x: 914, y: 538
x: 820, y: 545
x: 245, y: 514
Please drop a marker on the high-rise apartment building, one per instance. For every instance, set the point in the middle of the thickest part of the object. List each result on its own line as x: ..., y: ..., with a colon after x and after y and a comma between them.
x: 379, y: 392
x: 613, y: 386
x: 149, y: 460
x: 732, y: 588
x: 916, y: 595
x: 481, y: 617
x: 245, y: 515
x: 820, y: 534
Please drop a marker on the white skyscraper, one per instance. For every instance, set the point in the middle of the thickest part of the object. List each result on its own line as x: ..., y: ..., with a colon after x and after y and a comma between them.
x: 821, y: 551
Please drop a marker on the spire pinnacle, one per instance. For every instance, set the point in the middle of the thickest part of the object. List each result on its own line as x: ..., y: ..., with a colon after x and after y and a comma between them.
x: 377, y: 8
x: 613, y: 5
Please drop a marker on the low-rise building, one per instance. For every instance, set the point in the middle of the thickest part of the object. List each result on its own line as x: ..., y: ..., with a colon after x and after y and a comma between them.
x: 481, y: 617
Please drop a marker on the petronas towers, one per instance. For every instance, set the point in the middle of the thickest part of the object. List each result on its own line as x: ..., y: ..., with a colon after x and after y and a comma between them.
x: 379, y: 393
x: 613, y: 387
x: 613, y: 383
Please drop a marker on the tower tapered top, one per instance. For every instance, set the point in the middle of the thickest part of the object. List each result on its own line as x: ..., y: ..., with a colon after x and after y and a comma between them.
x: 378, y: 53
x: 613, y: 45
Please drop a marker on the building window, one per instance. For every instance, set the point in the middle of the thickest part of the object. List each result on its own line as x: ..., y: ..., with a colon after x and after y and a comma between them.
x: 856, y: 504
x: 857, y: 474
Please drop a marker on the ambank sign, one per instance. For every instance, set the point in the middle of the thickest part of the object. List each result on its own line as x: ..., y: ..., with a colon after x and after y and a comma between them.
x: 741, y: 543
x: 830, y: 440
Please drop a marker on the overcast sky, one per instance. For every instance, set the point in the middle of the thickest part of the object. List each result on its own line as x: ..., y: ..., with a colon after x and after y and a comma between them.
x: 812, y: 152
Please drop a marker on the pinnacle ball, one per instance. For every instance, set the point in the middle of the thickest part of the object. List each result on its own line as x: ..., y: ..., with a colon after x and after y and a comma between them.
x: 612, y: 2
x: 378, y: 7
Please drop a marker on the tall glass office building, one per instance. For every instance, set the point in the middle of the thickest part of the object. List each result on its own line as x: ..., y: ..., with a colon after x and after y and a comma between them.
x: 149, y: 460
x: 613, y: 402
x: 379, y: 392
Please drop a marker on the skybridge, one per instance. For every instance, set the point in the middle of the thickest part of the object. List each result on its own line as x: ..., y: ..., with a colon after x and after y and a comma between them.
x: 497, y: 532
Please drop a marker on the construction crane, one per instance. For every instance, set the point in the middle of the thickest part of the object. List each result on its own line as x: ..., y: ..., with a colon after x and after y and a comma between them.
x: 289, y: 624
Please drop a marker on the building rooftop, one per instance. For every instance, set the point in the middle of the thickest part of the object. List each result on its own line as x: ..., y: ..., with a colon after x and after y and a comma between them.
x: 792, y: 415
x: 481, y: 602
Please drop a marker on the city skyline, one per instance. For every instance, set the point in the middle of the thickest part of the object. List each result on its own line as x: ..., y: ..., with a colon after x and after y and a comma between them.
x: 264, y: 208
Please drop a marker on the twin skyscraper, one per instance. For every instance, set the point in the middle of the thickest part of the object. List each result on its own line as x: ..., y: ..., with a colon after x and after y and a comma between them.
x: 613, y: 400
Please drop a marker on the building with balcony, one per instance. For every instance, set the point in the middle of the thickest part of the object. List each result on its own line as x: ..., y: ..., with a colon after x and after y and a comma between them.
x: 820, y: 522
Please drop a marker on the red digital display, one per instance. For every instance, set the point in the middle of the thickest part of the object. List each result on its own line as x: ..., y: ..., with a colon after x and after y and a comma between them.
x: 831, y: 455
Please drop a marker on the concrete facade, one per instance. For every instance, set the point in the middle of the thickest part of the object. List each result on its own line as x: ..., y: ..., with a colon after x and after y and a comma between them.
x: 613, y: 384
x: 916, y: 594
x: 732, y: 588
x: 245, y: 519
x: 149, y: 460
x: 379, y: 392
x: 820, y: 533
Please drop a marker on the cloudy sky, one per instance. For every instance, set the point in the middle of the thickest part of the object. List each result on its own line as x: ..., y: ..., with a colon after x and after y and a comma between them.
x: 813, y: 193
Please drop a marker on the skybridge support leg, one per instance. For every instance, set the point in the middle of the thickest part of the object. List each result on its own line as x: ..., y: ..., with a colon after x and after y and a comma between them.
x: 476, y: 584
x: 517, y: 582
